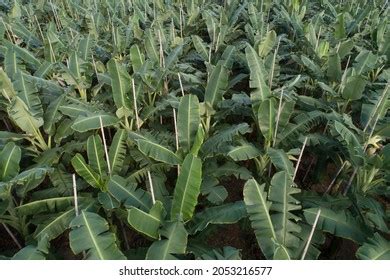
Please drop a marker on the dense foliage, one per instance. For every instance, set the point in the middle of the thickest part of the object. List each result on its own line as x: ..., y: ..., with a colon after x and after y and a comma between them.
x: 193, y: 129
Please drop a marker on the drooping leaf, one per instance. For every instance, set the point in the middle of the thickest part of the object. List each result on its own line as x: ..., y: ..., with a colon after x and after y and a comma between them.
x: 85, y: 171
x: 354, y: 87
x: 283, y: 203
x: 9, y: 161
x: 187, y: 188
x: 92, y: 121
x: 245, y: 151
x: 90, y: 233
x: 340, y: 223
x: 129, y: 194
x: 34, y: 252
x: 174, y: 242
x: 258, y: 210
x: 377, y: 248
x: 280, y: 160
x: 228, y: 213
x: 21, y: 115
x: 157, y: 151
x: 147, y: 223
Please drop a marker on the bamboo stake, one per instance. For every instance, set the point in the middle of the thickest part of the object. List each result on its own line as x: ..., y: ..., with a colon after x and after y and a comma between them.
x: 162, y: 60
x: 175, y: 124
x: 105, y: 145
x: 135, y: 106
x: 273, y: 64
x: 181, y: 19
x: 39, y: 28
x: 76, y: 203
x: 181, y: 84
x: 376, y: 108
x: 299, y: 159
x: 278, y: 117
x: 176, y: 137
x: 12, y: 236
x: 311, y: 234
x: 151, y: 187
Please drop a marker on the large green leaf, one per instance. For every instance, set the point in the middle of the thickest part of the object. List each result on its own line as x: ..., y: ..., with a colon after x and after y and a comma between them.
x: 137, y: 58
x: 85, y: 171
x: 53, y: 114
x: 6, y: 86
x: 244, y: 151
x: 228, y: 213
x: 267, y: 43
x: 354, y: 87
x: 283, y: 203
x: 34, y: 252
x: 266, y: 118
x: 280, y: 159
x: 258, y: 209
x: 23, y: 117
x: 129, y: 194
x: 174, y: 242
x: 188, y: 120
x: 96, y: 155
x: 90, y: 233
x: 54, y: 225
x: 216, y: 87
x: 27, y: 92
x: 92, y: 121
x: 117, y: 151
x: 50, y: 205
x: 121, y: 86
x: 187, y: 188
x: 29, y: 180
x: 340, y: 223
x: 147, y: 223
x: 200, y: 47
x: 157, y: 151
x: 258, y: 76
x: 9, y: 161
x: 377, y: 248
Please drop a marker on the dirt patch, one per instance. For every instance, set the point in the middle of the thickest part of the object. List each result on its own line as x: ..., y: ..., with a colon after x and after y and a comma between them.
x: 235, y: 236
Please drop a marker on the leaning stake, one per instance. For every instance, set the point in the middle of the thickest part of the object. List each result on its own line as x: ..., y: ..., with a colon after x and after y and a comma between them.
x: 76, y: 203
x: 300, y: 157
x: 135, y: 105
x: 105, y: 145
x: 151, y: 187
x: 311, y: 234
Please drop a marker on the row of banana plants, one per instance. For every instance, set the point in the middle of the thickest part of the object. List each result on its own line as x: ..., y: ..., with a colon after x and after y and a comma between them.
x: 166, y: 121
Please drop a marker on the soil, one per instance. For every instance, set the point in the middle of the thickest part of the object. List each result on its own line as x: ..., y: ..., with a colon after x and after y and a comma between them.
x: 7, y: 245
x: 237, y: 238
